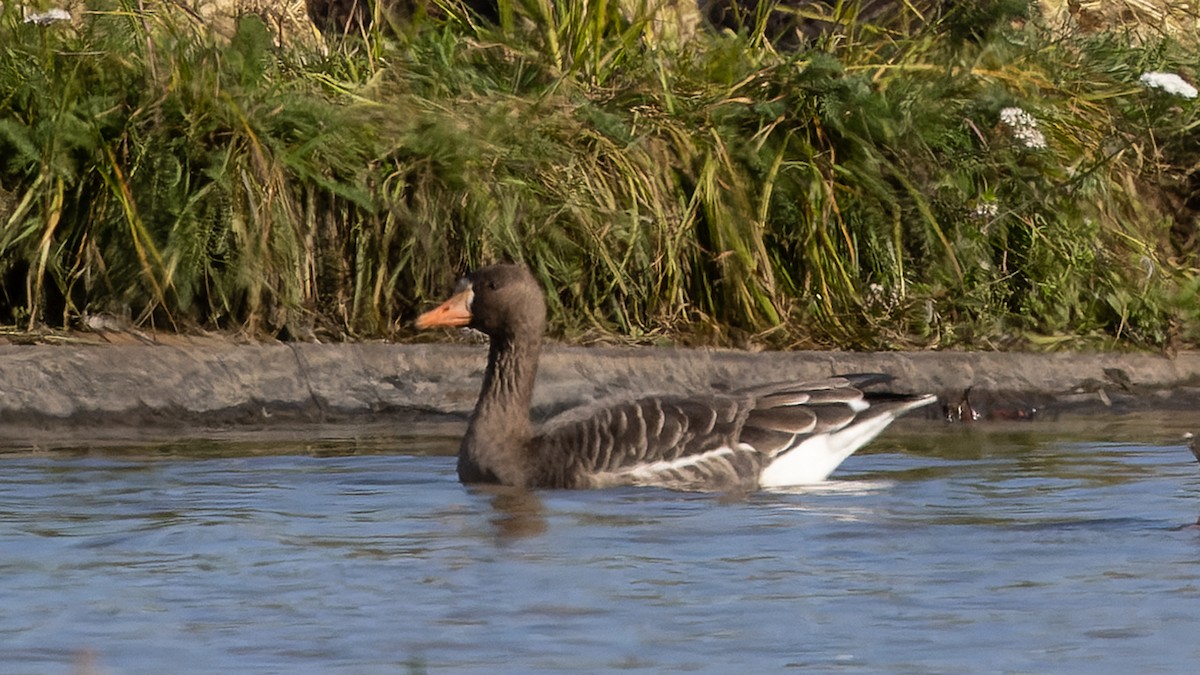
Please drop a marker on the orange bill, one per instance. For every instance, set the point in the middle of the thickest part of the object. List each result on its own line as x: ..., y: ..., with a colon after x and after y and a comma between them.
x: 453, y: 313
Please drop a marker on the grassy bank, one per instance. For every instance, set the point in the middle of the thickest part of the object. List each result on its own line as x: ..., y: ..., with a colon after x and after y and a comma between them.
x: 873, y: 191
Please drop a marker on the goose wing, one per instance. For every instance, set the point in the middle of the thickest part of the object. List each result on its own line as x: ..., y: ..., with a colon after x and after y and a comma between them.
x: 687, y: 443
x: 720, y: 442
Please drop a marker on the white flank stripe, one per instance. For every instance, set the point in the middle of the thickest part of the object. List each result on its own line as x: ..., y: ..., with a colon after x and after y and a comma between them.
x: 652, y: 470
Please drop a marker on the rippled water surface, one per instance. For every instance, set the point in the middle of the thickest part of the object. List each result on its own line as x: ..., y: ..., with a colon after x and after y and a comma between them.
x: 1044, y: 547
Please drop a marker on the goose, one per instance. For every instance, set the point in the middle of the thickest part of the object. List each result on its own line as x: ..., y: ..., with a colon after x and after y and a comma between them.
x: 769, y: 436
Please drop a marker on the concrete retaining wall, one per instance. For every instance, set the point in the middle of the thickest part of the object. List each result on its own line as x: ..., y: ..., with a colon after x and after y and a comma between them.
x: 221, y: 383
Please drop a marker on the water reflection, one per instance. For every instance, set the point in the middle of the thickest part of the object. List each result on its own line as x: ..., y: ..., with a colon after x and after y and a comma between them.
x: 518, y: 512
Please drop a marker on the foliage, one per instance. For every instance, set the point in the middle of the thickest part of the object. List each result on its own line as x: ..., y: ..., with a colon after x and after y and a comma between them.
x: 862, y: 192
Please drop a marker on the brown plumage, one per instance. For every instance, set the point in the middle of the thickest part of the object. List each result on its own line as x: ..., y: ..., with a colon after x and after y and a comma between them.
x: 766, y: 436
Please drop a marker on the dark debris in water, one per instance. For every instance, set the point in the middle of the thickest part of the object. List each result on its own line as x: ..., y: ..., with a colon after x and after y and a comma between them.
x: 966, y: 412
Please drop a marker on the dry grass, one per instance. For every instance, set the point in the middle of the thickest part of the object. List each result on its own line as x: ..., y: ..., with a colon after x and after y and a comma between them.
x: 287, y: 19
x: 1141, y: 19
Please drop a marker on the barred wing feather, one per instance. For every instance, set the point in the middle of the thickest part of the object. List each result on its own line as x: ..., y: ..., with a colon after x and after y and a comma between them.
x: 773, y: 435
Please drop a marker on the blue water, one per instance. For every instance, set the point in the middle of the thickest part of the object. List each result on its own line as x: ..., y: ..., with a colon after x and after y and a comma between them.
x: 1018, y: 548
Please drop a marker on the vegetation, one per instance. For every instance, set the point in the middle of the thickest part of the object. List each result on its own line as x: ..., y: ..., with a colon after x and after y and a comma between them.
x: 872, y: 190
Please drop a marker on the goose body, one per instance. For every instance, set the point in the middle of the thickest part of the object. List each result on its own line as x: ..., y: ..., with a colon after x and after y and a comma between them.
x: 775, y: 435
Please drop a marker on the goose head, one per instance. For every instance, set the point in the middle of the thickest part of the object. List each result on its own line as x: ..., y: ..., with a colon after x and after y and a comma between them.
x: 501, y: 301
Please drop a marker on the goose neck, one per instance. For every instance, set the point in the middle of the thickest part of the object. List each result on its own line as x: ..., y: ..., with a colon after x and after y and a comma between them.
x: 508, y: 383
x: 497, y: 445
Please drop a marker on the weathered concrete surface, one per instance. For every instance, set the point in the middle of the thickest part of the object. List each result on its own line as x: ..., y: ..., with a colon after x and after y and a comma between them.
x: 91, y: 386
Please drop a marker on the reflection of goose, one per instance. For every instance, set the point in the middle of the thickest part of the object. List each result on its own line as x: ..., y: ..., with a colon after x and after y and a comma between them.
x: 518, y: 512
x: 775, y: 435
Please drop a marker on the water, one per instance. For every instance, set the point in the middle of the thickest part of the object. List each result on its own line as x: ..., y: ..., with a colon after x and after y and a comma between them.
x: 1020, y: 548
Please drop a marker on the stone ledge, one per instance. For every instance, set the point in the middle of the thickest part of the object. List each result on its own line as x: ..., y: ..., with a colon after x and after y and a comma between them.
x: 221, y: 383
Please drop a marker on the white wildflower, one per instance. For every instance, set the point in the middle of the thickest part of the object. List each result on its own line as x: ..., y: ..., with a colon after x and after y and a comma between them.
x: 48, y: 17
x: 1016, y: 117
x: 986, y: 209
x: 1024, y: 128
x: 1030, y: 138
x: 1170, y: 83
x: 879, y: 297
